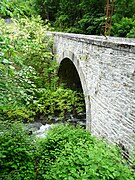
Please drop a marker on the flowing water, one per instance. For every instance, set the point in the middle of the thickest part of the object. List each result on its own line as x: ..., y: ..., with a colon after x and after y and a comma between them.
x: 40, y: 127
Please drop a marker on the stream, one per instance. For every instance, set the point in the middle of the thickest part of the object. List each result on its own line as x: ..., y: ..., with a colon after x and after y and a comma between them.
x: 41, y: 126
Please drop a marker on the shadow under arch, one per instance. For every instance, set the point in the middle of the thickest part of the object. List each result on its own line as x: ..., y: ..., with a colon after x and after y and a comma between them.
x: 68, y: 74
x: 71, y: 72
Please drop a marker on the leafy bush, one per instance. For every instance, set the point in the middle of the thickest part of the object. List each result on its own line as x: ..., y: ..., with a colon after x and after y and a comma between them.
x: 90, y: 24
x: 16, y: 152
x: 72, y: 153
x: 124, y: 27
x: 17, y: 8
x: 131, y: 34
x: 16, y: 79
x: 60, y: 102
x: 66, y: 153
x: 36, y: 51
x: 29, y: 69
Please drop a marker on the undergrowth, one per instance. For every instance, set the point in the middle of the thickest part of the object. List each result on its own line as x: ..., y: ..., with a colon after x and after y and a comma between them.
x: 66, y: 153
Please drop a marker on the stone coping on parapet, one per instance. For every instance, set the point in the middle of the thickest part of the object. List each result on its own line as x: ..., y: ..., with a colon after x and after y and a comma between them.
x: 123, y: 44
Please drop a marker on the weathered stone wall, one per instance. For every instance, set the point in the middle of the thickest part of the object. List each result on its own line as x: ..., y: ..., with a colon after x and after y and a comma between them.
x: 107, y: 71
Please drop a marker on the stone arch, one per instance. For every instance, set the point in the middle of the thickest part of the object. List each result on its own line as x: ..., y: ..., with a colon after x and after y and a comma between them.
x: 72, y: 57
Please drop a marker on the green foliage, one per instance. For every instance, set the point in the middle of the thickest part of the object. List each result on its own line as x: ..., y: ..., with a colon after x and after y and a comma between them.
x: 36, y: 51
x: 4, y: 7
x: 80, y: 16
x: 72, y: 153
x: 124, y: 28
x: 131, y: 34
x: 26, y: 64
x: 123, y: 18
x: 60, y: 102
x: 20, y: 114
x: 66, y: 153
x: 90, y: 18
x: 87, y: 16
x: 17, y: 8
x: 124, y: 8
x: 28, y: 67
x: 73, y: 16
x: 16, y: 152
x: 47, y: 9
x: 15, y: 82
x: 91, y: 24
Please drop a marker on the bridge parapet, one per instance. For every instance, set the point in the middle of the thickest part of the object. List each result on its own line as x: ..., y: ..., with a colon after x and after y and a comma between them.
x: 117, y: 43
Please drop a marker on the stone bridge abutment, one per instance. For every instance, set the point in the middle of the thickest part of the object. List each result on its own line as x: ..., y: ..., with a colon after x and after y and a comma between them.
x: 106, y: 68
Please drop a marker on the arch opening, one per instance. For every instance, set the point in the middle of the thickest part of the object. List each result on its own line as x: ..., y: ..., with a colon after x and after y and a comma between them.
x: 69, y: 76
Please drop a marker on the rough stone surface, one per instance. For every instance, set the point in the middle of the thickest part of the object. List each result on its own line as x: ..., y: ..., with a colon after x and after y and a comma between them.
x: 106, y: 68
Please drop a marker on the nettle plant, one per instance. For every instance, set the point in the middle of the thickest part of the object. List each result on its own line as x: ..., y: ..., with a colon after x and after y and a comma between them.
x: 72, y: 153
x: 17, y: 152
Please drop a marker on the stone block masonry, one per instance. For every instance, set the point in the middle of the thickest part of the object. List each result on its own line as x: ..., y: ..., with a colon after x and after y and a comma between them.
x: 106, y: 68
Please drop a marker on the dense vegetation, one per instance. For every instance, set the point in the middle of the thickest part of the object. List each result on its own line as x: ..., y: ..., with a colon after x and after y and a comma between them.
x: 66, y: 153
x: 80, y: 16
x: 87, y: 16
x: 28, y: 74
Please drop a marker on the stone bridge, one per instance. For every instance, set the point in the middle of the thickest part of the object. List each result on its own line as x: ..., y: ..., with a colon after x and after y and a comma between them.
x: 106, y: 71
